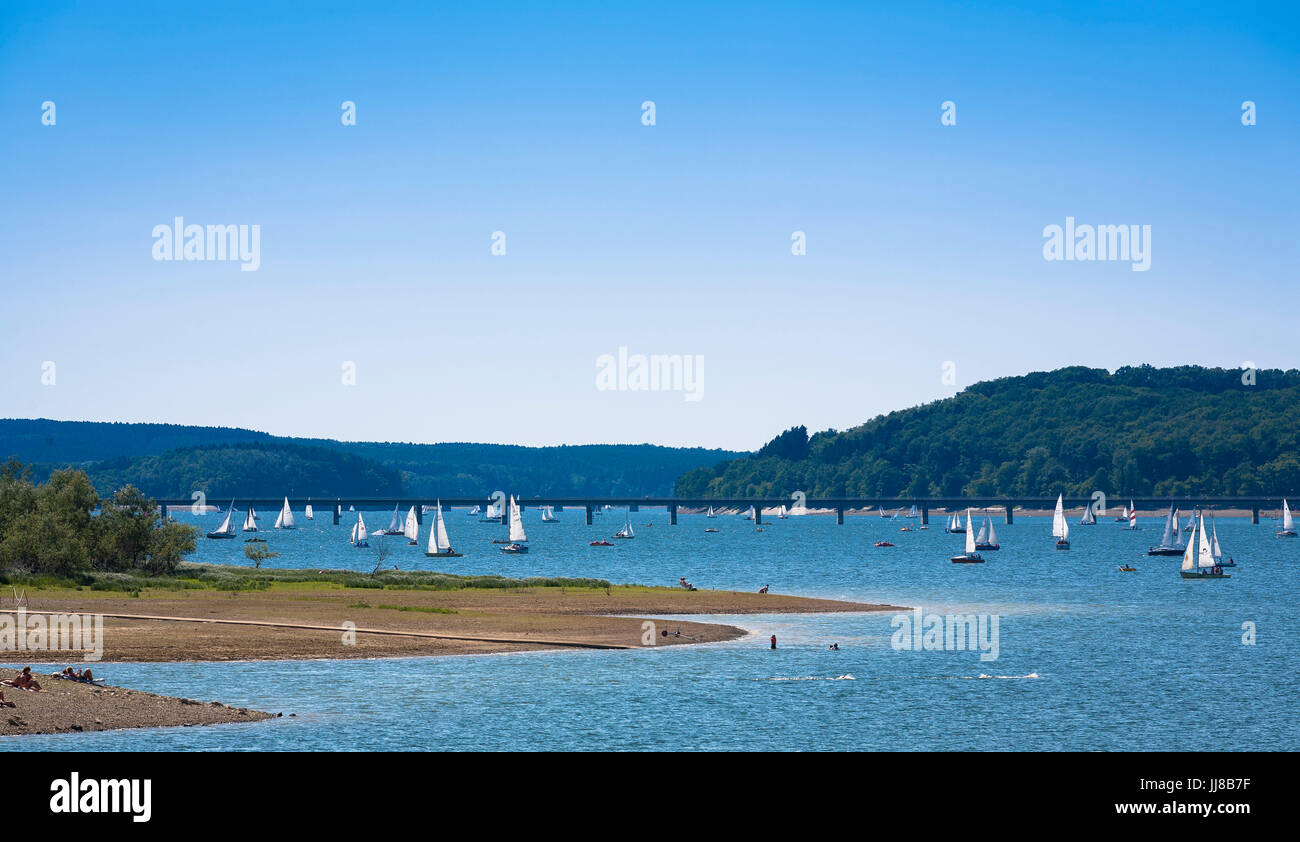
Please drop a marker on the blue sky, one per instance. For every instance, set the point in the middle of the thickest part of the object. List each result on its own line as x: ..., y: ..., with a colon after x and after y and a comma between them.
x: 924, y: 241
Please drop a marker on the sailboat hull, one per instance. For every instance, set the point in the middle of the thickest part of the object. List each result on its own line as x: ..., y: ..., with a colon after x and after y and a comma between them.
x: 515, y: 549
x: 444, y: 555
x: 967, y: 559
x: 221, y: 535
x: 1165, y: 551
x: 1194, y: 575
x: 1286, y: 534
x: 985, y: 547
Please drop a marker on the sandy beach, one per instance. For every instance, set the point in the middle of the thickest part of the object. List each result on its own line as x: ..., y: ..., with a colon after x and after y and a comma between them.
x: 309, y: 620
x: 70, y: 706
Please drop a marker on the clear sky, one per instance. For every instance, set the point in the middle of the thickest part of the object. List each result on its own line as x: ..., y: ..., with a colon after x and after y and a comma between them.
x: 924, y: 241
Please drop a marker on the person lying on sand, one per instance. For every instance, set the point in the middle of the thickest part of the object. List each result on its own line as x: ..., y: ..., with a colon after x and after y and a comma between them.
x: 86, y: 676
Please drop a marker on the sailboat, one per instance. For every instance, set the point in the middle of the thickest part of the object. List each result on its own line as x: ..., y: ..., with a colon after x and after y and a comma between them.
x: 954, y: 524
x: 1288, y: 525
x: 439, y: 542
x: 226, y: 529
x: 411, y: 529
x: 970, y: 556
x: 250, y: 522
x: 1132, y: 516
x: 783, y: 513
x: 548, y: 515
x: 1191, y: 521
x: 359, y: 534
x: 987, y: 539
x: 517, y: 537
x: 749, y: 515
x: 912, y: 513
x: 307, y: 513
x: 883, y: 513
x: 474, y: 511
x: 1214, y: 546
x: 626, y: 531
x: 1198, y: 559
x: 284, y: 520
x: 394, y: 524
x: 1060, y: 528
x: 711, y: 512
x: 1169, y: 541
x: 1122, y: 517
x: 1089, y: 517
x: 493, y: 514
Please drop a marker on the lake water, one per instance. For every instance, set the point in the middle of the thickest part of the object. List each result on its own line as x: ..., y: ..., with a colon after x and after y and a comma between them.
x: 1138, y: 661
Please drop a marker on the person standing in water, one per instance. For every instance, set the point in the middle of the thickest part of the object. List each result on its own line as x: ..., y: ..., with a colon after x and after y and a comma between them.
x: 773, y: 641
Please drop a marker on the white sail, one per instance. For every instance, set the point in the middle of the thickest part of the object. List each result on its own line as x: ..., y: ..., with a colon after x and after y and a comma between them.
x: 1204, y: 554
x: 1132, y: 517
x: 1060, y: 529
x: 626, y: 531
x: 993, y: 536
x: 1189, y: 557
x: 308, y: 514
x: 359, y: 533
x: 970, y: 536
x: 444, y: 541
x: 1214, y: 539
x: 285, y: 519
x: 411, y: 529
x: 225, y: 528
x: 710, y: 514
x: 1171, y: 528
x: 250, y: 522
x: 1288, y: 525
x: 516, y: 523
x: 983, y: 535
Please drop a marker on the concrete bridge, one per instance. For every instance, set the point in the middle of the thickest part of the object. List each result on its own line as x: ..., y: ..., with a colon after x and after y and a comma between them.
x: 840, y: 505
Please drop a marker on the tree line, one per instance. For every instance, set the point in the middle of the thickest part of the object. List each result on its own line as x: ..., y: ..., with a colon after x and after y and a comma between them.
x: 62, y: 527
x: 1141, y: 430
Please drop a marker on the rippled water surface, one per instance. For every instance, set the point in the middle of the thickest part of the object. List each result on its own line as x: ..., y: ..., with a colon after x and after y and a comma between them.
x: 1087, y: 658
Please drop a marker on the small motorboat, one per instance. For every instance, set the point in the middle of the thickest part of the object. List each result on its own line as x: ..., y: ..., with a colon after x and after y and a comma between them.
x: 254, y: 540
x: 603, y: 543
x: 1127, y: 568
x: 883, y: 544
x: 906, y: 529
x: 515, y: 549
x: 713, y: 530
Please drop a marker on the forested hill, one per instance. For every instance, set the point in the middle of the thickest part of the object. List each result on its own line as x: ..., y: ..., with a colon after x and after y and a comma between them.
x: 173, y: 460
x: 1139, y: 431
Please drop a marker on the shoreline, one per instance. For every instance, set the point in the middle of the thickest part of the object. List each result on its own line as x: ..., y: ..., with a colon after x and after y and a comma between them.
x: 64, y: 707
x: 316, y: 620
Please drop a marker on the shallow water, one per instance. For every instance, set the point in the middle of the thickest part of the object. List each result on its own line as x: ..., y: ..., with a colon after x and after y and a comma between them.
x: 1139, y: 660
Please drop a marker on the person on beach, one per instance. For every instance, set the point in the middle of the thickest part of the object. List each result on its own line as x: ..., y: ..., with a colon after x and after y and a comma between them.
x: 24, y: 681
x: 5, y: 703
x: 764, y: 589
x: 86, y: 676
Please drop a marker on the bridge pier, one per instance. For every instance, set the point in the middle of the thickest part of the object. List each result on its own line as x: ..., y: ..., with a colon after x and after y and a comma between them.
x: 758, y: 515
x: 1254, y: 515
x: 672, y: 515
x: 839, y: 516
x: 589, y: 515
x: 925, y: 515
x: 1011, y: 518
x: 337, y: 513
x: 634, y: 508
x: 419, y: 514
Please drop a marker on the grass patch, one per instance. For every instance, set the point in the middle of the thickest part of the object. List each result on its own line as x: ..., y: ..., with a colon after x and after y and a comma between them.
x: 423, y: 609
x: 220, y: 577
